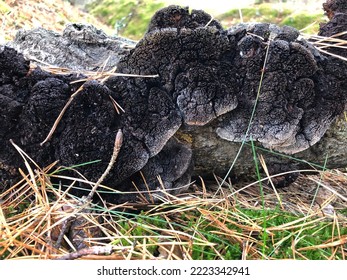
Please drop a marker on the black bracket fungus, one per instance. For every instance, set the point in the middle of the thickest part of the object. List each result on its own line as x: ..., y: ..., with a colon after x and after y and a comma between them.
x: 202, y: 78
x: 194, y: 69
x: 179, y: 17
x: 288, y: 94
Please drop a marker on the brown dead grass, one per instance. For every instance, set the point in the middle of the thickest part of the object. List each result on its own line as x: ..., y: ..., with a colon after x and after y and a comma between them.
x: 49, y: 14
x: 32, y: 215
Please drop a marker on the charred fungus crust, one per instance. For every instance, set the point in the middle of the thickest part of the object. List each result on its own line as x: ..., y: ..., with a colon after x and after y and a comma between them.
x: 333, y: 7
x: 179, y: 17
x: 207, y: 79
x: 336, y: 10
x: 296, y: 101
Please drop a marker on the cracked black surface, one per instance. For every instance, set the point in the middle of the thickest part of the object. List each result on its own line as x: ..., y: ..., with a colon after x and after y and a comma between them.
x: 205, y: 75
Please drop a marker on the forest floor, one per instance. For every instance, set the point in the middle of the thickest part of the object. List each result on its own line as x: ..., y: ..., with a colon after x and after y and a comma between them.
x: 307, y: 220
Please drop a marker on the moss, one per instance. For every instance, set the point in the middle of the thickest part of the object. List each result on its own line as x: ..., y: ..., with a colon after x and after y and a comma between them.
x: 4, y: 8
x: 302, y: 20
x: 129, y: 18
x: 269, y: 13
x: 259, y: 13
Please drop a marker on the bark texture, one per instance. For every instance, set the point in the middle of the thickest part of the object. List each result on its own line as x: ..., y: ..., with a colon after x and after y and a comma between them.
x: 80, y: 47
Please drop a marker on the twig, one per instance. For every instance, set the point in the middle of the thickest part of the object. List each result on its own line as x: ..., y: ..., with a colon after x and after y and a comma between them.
x: 65, y: 227
x: 117, y: 145
x: 54, y: 127
x: 87, y: 200
x: 95, y: 250
x: 102, y: 76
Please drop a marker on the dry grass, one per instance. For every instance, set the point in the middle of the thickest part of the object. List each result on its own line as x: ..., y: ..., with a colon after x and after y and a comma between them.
x: 33, y: 214
x: 52, y: 15
x: 334, y: 42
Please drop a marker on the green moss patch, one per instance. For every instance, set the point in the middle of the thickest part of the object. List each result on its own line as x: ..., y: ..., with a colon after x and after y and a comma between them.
x: 130, y: 18
x: 281, y: 15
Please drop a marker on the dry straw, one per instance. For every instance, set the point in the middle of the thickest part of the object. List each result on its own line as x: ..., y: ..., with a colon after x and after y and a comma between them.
x: 33, y: 212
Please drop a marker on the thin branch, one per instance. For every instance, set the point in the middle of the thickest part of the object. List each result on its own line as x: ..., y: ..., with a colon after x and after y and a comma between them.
x: 116, y: 149
x: 55, y: 125
x: 95, y: 250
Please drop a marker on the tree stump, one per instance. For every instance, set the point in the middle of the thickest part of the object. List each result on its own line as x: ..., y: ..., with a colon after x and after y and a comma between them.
x: 186, y: 98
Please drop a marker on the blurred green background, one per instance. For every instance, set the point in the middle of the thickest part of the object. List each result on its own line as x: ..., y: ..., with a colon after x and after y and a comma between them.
x: 130, y: 18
